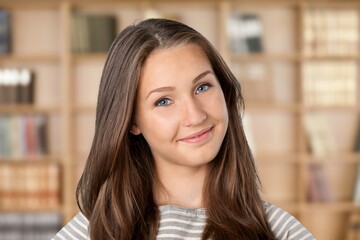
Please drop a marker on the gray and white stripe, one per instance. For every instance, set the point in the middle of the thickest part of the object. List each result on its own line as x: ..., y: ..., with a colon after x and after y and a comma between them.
x: 181, y: 223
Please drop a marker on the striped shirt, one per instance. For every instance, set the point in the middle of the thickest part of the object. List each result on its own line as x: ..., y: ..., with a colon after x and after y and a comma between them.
x: 182, y: 223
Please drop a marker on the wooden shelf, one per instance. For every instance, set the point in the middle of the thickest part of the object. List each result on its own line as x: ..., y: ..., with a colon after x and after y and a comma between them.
x: 34, y: 58
x: 297, y: 107
x: 47, y: 159
x: 328, y: 207
x: 89, y: 57
x: 265, y: 57
x: 33, y: 4
x: 18, y: 109
x: 331, y: 58
x: 276, y: 158
x: 297, y: 157
x: 83, y: 109
x: 336, y: 158
x: 31, y: 210
x: 285, y: 107
x: 353, y: 108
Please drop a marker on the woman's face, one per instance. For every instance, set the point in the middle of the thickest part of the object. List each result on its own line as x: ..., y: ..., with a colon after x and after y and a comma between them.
x: 181, y: 110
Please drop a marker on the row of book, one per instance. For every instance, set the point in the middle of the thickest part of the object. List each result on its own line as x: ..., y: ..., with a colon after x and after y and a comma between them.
x: 92, y: 32
x: 331, y: 32
x: 29, y: 226
x: 353, y: 231
x: 356, y: 196
x: 318, y: 186
x: 245, y: 33
x: 29, y: 186
x: 89, y: 32
x: 23, y: 135
x: 16, y: 86
x: 318, y: 132
x: 321, y: 143
x: 5, y: 32
x: 327, y: 83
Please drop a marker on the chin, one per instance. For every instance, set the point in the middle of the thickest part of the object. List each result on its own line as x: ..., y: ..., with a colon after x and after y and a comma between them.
x: 203, y: 159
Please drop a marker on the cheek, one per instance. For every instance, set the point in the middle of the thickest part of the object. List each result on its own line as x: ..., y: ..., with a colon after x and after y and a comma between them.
x: 156, y: 127
x: 218, y: 107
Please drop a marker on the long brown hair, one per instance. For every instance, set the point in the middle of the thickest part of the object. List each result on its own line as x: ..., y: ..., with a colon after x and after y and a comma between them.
x: 115, y: 189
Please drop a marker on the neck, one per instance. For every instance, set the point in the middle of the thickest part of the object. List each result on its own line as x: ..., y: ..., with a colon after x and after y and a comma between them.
x: 180, y: 186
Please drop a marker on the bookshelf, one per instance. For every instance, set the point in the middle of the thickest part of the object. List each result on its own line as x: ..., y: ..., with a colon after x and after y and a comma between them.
x: 31, y: 191
x: 274, y: 87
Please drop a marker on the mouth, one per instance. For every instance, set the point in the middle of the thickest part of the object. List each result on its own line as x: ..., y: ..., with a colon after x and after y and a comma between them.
x: 198, y: 136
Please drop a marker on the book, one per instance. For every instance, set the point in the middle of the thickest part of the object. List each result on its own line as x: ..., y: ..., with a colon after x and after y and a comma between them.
x: 16, y: 86
x: 30, y: 135
x: 41, y: 134
x: 331, y: 32
x: 318, y: 189
x: 29, y: 226
x: 245, y: 33
x: 356, y: 191
x: 353, y: 230
x: 5, y: 135
x: 25, y: 87
x: 23, y: 135
x: 321, y: 143
x: 2, y: 91
x: 246, y: 121
x: 4, y: 84
x: 11, y: 81
x: 356, y: 147
x: 330, y: 83
x: 155, y: 13
x: 92, y: 33
x: 3, y: 139
x: 5, y: 32
x: 29, y: 187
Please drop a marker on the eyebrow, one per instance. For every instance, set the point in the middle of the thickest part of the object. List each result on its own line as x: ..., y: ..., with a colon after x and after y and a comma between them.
x: 163, y: 89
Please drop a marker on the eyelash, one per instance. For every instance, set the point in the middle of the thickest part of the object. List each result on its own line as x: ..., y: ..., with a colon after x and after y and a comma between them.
x: 160, y: 102
x: 207, y: 85
x: 157, y: 103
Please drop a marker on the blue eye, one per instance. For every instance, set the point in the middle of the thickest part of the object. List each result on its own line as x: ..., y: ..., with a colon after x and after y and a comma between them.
x: 202, y: 88
x: 163, y: 102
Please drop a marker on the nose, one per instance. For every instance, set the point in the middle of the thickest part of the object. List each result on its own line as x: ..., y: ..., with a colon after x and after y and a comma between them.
x: 193, y: 113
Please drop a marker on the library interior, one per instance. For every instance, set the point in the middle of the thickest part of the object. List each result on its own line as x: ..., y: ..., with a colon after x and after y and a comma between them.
x: 298, y: 63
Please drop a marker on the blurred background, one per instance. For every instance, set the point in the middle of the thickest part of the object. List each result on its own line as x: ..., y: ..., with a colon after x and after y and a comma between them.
x: 297, y: 62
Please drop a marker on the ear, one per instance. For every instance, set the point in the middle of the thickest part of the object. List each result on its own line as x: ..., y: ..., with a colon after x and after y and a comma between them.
x: 135, y: 130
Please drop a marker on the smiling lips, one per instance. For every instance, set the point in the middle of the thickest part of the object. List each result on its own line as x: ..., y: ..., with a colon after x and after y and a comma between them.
x: 197, y: 137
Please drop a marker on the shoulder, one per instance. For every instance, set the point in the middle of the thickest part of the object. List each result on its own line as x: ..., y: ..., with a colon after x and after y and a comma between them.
x: 76, y: 229
x: 284, y: 225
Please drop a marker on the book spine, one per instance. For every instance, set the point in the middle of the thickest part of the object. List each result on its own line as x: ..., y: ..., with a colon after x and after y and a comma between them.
x: 356, y: 191
x: 353, y: 231
x: 330, y: 83
x: 23, y: 136
x: 25, y: 87
x: 5, y: 32
x: 331, y: 32
x: 92, y: 32
x: 16, y: 86
x: 245, y: 33
x: 39, y: 226
x: 29, y: 187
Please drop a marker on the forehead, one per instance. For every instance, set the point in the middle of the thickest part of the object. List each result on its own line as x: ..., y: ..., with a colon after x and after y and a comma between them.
x: 177, y: 63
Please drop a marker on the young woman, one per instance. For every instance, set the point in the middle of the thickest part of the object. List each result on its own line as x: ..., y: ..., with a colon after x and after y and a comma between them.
x: 169, y: 159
